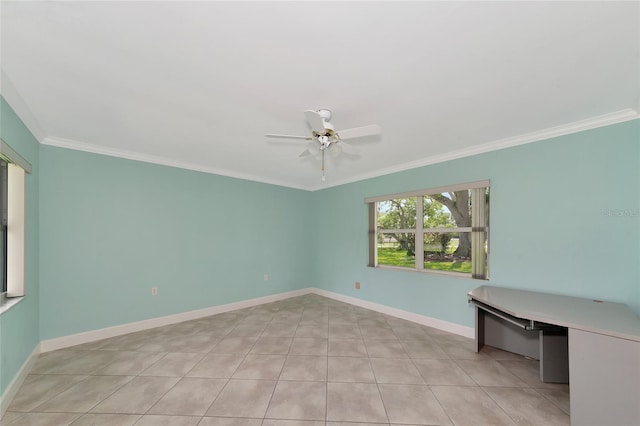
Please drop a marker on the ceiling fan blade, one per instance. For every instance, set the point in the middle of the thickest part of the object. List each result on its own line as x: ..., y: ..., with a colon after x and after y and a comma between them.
x: 351, y: 155
x: 308, y: 138
x: 316, y: 121
x: 349, y: 149
x: 358, y: 132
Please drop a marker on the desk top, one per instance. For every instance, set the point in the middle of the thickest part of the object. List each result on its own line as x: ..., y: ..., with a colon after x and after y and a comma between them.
x: 608, y: 318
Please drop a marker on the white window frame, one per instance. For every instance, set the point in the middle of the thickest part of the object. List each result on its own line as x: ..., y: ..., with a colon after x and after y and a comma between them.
x: 479, y: 229
x: 18, y: 167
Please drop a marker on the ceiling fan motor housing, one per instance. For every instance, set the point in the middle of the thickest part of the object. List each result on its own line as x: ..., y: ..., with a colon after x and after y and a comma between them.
x: 325, y: 114
x: 328, y: 127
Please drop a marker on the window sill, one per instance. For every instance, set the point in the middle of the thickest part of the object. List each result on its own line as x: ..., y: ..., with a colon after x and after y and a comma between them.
x: 428, y: 271
x: 7, y: 303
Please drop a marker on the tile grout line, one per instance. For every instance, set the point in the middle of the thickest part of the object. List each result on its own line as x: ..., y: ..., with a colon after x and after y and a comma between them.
x: 375, y: 377
x: 231, y: 374
x: 266, y: 410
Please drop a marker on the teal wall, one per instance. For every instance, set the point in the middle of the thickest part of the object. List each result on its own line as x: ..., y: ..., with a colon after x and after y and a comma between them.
x: 111, y: 229
x: 19, y: 325
x: 565, y: 219
x: 102, y: 231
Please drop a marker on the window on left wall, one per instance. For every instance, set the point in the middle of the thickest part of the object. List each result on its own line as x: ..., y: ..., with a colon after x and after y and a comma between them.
x: 3, y: 224
x: 13, y: 170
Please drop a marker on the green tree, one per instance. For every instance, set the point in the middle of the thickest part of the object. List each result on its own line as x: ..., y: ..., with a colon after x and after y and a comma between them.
x: 460, y: 208
x: 437, y: 217
x: 401, y: 214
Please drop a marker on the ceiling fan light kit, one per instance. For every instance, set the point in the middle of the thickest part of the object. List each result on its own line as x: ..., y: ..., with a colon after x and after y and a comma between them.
x: 324, y: 136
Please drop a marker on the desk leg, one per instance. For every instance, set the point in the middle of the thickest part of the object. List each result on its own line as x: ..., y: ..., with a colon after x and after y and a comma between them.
x: 554, y: 356
x: 479, y: 343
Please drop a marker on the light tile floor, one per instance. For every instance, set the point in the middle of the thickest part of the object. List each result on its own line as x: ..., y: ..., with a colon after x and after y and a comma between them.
x: 304, y: 361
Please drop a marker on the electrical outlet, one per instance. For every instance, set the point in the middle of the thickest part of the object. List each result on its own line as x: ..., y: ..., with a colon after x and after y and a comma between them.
x: 266, y: 277
x: 154, y: 291
x: 357, y: 285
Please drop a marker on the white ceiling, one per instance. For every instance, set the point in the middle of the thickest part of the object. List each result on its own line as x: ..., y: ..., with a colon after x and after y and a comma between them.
x: 198, y: 84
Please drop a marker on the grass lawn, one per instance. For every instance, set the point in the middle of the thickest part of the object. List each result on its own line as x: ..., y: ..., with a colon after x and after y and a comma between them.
x: 393, y: 257
x: 449, y: 266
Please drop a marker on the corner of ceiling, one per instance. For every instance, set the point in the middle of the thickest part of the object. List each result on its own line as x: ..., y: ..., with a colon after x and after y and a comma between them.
x: 15, y: 100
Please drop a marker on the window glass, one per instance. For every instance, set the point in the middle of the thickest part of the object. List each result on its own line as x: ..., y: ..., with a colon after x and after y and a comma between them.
x: 440, y: 252
x: 396, y: 223
x: 392, y: 253
x: 3, y: 225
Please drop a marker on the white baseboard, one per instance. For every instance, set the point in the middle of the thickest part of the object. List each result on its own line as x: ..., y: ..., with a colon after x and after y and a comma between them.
x: 104, y: 333
x: 399, y: 313
x: 18, y: 379
x: 118, y: 330
x: 132, y: 327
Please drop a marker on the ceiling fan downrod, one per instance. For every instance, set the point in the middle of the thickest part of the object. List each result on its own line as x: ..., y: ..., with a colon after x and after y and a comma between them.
x: 325, y: 142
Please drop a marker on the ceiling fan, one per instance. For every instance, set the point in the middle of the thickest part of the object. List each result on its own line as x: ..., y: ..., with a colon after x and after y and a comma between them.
x: 325, y: 137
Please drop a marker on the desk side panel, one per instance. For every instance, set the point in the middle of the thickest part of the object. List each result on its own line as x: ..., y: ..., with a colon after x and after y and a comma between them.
x: 504, y: 335
x: 604, y: 379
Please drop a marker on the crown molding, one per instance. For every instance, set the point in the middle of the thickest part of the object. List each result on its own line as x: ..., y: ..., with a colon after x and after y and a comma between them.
x: 137, y: 156
x: 539, y: 135
x: 15, y: 101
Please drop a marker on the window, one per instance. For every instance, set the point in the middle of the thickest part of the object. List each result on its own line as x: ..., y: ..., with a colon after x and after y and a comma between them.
x: 12, y: 202
x: 441, y: 230
x: 3, y: 225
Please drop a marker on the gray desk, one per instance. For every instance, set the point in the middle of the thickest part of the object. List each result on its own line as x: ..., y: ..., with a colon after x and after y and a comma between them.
x: 594, y: 345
